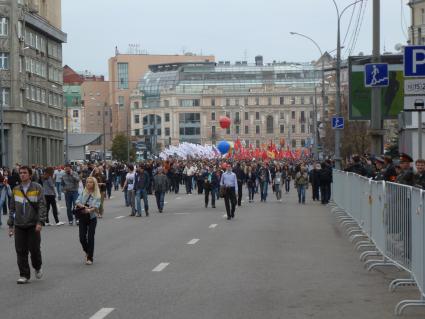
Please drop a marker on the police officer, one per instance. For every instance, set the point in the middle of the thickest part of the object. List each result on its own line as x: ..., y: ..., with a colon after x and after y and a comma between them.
x: 379, y: 163
x: 406, y: 176
x: 420, y: 175
x: 390, y: 172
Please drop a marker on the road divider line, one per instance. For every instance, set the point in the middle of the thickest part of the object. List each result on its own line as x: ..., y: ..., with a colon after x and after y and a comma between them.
x: 213, y: 226
x: 193, y: 241
x: 181, y: 213
x: 102, y: 313
x: 178, y: 198
x: 160, y: 267
x: 119, y: 217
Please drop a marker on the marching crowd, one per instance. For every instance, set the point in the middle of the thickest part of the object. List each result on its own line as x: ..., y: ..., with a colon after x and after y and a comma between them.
x: 28, y: 193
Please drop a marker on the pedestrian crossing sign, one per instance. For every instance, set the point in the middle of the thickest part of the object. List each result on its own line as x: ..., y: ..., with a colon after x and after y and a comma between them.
x: 376, y: 75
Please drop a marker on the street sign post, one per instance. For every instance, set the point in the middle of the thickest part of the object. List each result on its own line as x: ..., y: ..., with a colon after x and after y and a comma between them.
x: 337, y: 122
x: 414, y: 103
x: 414, y: 86
x: 376, y: 75
x: 414, y: 61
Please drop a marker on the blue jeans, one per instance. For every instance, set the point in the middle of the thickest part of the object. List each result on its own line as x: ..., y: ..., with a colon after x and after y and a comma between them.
x: 59, y: 189
x: 126, y: 198
x: 263, y: 190
x: 70, y: 199
x: 142, y: 193
x: 301, y: 194
x: 160, y: 200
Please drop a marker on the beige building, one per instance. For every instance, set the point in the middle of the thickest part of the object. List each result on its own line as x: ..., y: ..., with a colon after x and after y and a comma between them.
x: 125, y: 72
x: 31, y: 55
x: 184, y: 101
x: 417, y: 29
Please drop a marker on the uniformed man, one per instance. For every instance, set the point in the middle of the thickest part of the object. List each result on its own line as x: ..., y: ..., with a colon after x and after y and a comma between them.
x: 420, y: 175
x: 379, y: 163
x: 406, y: 176
x: 390, y: 172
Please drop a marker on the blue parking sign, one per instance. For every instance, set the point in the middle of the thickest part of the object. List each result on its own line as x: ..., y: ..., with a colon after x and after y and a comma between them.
x: 414, y: 61
x: 376, y: 75
x: 337, y: 122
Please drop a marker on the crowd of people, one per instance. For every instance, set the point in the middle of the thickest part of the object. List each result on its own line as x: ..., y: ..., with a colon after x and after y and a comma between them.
x: 28, y: 194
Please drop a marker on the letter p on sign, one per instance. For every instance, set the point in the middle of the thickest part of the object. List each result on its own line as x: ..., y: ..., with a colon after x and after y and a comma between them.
x: 418, y: 58
x: 414, y: 61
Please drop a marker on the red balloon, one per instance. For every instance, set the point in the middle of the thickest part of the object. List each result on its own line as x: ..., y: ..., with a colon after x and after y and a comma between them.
x: 224, y: 122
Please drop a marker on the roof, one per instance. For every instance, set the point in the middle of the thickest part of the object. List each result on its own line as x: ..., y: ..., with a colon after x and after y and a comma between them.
x: 82, y: 139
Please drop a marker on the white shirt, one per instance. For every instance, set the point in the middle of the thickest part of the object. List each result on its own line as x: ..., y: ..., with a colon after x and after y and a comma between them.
x: 130, y: 180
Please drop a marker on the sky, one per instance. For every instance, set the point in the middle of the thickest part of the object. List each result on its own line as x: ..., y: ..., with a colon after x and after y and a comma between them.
x: 232, y: 30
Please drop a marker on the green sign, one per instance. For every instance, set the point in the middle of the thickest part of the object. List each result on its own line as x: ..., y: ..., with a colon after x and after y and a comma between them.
x: 360, y: 97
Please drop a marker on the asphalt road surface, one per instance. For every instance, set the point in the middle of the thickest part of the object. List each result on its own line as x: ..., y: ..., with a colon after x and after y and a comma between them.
x: 274, y: 260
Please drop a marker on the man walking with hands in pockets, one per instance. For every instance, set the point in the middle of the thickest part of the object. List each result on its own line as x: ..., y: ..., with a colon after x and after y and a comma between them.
x: 230, y: 184
x: 27, y: 216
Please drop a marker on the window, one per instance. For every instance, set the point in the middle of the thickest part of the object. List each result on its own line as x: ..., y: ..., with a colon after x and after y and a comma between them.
x: 292, y: 100
x: 212, y: 102
x: 137, y: 119
x: 281, y: 100
x: 98, y: 113
x: 189, y: 103
x: 74, y: 113
x: 302, y: 99
x: 121, y: 101
x: 237, y: 129
x: 294, y: 143
x: 167, y: 131
x: 167, y: 117
x: 423, y: 16
x: 4, y: 26
x: 257, y: 115
x: 213, y: 131
x: 212, y: 116
x: 302, y: 143
x: 246, y: 116
x: 257, y: 129
x: 228, y: 131
x: 227, y: 102
x: 4, y: 61
x: 123, y: 75
x: 246, y: 129
x: 293, y: 115
x: 246, y: 101
x: 269, y: 100
x: 5, y: 96
x: 302, y: 117
x: 282, y: 128
x: 237, y: 102
x: 237, y: 119
x: 257, y: 101
x: 282, y: 115
x: 158, y: 132
x: 228, y: 114
x: 269, y: 124
x: 166, y: 103
x: 302, y: 128
x: 136, y: 105
x: 293, y: 128
x: 257, y: 143
x: 137, y: 132
x: 311, y: 128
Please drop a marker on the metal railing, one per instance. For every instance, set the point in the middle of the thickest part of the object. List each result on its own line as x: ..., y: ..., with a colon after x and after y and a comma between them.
x: 386, y: 223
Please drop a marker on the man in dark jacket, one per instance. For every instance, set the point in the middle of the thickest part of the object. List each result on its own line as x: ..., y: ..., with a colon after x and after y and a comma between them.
x: 26, y: 218
x: 211, y: 183
x: 141, y: 187
x: 420, y: 175
x: 357, y: 167
x: 240, y: 175
x: 315, y: 181
x: 160, y: 185
x: 325, y: 180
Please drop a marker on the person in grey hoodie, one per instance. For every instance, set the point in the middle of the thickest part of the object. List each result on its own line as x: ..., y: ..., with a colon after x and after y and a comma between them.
x: 70, y: 183
x: 26, y: 218
x: 160, y: 184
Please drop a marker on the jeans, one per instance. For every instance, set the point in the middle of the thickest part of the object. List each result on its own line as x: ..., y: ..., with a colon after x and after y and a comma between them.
x: 301, y: 193
x: 188, y: 184
x: 325, y: 192
x: 51, y: 201
x: 27, y: 240
x: 160, y: 200
x: 109, y: 189
x: 287, y: 185
x: 251, y: 192
x: 87, y: 229
x: 126, y: 198
x: 315, y: 188
x: 278, y: 191
x: 209, y: 190
x: 59, y: 189
x: 131, y: 199
x: 117, y: 182
x: 263, y: 190
x: 70, y: 199
x: 142, y: 193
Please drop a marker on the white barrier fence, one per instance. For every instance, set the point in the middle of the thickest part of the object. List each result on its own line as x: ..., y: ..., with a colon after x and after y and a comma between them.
x: 386, y: 222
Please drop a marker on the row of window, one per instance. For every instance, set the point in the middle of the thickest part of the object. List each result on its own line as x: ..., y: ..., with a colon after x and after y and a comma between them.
x: 257, y: 116
x: 35, y: 67
x: 37, y: 94
x: 45, y: 121
x: 38, y: 42
x: 269, y: 129
x: 294, y: 143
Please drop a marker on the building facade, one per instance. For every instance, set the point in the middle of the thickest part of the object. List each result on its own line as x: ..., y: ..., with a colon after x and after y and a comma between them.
x: 417, y: 28
x: 184, y: 101
x: 125, y: 71
x: 31, y: 82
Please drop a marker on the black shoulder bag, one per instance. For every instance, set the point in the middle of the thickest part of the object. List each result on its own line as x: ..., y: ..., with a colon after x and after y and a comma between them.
x: 79, y: 211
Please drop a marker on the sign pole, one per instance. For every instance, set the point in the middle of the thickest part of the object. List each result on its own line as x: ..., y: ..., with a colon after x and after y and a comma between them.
x: 420, y: 134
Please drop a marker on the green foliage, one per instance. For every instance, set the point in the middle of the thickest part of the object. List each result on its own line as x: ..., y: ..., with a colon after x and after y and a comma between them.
x: 120, y: 148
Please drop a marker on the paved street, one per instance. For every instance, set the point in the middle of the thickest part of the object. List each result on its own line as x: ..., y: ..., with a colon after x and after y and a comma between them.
x: 274, y: 260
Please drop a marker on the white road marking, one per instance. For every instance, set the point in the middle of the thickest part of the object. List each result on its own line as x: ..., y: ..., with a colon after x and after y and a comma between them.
x: 181, y: 213
x: 193, y: 241
x: 119, y: 217
x: 160, y: 267
x: 102, y: 313
x: 178, y: 198
x: 213, y: 226
x: 112, y: 197
x: 225, y: 216
x: 242, y: 201
x: 61, y: 207
x: 165, y: 202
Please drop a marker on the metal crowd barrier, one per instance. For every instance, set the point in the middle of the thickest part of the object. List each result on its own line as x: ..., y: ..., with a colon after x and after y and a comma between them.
x: 386, y: 223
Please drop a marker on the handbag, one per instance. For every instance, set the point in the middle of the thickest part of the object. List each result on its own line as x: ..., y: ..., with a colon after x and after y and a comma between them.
x: 79, y: 211
x: 223, y: 190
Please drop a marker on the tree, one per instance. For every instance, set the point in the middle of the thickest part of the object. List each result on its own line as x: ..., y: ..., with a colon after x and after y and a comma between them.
x: 119, y: 148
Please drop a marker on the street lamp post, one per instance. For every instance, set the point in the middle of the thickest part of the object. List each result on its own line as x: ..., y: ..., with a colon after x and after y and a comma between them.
x: 315, y: 138
x: 338, y: 82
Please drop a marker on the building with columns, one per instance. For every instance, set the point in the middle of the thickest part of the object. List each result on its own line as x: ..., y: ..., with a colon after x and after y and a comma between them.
x: 179, y: 102
x: 31, y: 82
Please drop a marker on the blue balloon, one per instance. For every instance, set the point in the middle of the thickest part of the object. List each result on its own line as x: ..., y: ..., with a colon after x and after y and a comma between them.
x: 223, y: 147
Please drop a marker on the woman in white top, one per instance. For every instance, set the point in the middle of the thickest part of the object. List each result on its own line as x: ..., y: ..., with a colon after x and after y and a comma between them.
x: 278, y: 181
x: 129, y: 186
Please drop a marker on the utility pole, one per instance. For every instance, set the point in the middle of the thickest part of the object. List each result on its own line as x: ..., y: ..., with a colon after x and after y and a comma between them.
x: 376, y: 113
x: 66, y: 133
x: 104, y: 133
x: 338, y: 95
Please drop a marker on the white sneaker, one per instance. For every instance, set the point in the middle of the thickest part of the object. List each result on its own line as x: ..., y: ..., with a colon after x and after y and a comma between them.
x: 60, y: 223
x: 22, y: 280
x: 39, y: 273
x: 47, y: 224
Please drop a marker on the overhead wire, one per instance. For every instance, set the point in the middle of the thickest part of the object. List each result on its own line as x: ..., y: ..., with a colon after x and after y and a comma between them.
x: 353, y: 34
x: 359, y: 28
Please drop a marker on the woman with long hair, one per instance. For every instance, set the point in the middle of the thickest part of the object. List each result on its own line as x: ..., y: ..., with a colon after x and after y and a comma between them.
x: 101, y: 182
x: 50, y: 196
x: 89, y: 201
